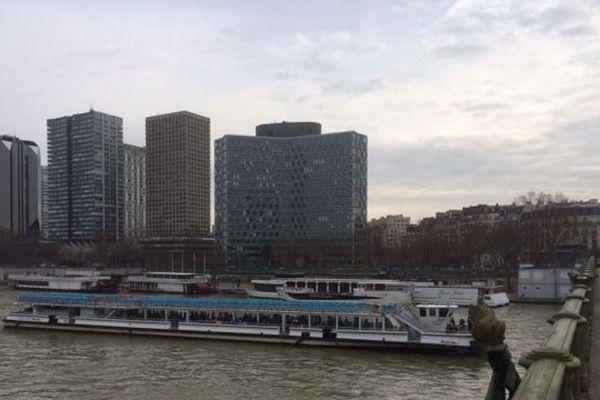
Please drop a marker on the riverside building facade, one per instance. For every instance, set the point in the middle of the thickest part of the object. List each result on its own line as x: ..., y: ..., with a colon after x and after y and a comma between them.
x: 290, y: 196
x: 177, y: 191
x: 178, y: 174
x: 134, y: 190
x: 20, y: 183
x: 85, y: 177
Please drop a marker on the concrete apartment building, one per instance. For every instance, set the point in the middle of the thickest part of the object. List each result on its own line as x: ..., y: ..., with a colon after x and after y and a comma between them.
x: 290, y: 188
x: 177, y: 190
x: 85, y: 177
x: 134, y: 190
x: 393, y: 229
x: 20, y: 183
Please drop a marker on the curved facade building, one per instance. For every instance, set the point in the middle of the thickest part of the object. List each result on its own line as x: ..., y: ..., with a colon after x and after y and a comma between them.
x: 20, y: 180
x: 288, y: 184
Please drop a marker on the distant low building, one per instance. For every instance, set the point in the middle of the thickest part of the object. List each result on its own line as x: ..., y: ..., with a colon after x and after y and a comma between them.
x: 393, y: 229
x: 558, y: 224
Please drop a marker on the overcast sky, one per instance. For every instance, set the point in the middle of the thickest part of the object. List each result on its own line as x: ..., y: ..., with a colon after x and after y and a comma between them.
x: 464, y: 102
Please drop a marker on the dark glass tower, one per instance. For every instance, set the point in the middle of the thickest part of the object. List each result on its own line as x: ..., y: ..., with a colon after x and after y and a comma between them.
x: 20, y: 186
x: 289, y: 184
x: 85, y: 177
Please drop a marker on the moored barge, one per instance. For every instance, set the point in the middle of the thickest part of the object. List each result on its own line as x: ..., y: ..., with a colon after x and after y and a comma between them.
x: 317, y: 323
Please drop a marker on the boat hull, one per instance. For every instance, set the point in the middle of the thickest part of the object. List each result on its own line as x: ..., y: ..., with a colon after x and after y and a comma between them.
x: 244, y: 337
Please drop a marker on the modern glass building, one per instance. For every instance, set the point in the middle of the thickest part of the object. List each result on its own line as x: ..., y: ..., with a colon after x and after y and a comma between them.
x: 20, y: 186
x: 85, y: 177
x: 135, y: 190
x: 44, y: 201
x: 289, y: 184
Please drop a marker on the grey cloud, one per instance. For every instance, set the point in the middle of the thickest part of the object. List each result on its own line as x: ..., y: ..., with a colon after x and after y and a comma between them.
x: 479, y: 107
x: 475, y: 169
x: 556, y: 17
x: 476, y: 23
x: 459, y: 50
x: 353, y: 86
x: 580, y: 30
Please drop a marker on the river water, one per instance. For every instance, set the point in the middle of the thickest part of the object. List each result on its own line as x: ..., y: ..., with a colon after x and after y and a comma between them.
x: 63, y: 365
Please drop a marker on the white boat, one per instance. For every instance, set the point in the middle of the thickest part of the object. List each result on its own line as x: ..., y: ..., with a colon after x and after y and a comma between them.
x: 386, y: 290
x: 495, y: 296
x: 311, y: 323
x: 169, y: 282
x: 91, y: 283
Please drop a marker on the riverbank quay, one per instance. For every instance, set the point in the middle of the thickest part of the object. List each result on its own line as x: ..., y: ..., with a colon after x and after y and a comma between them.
x: 559, y: 368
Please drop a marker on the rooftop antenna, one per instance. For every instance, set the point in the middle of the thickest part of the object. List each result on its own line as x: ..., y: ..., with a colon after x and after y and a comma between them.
x: 91, y: 107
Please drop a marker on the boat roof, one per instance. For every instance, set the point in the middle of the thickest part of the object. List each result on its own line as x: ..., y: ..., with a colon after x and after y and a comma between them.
x: 437, y: 306
x: 269, y: 281
x: 169, y: 273
x: 202, y: 303
x: 57, y: 278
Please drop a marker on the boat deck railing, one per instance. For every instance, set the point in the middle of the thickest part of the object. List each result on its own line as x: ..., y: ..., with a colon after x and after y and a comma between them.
x: 208, y: 303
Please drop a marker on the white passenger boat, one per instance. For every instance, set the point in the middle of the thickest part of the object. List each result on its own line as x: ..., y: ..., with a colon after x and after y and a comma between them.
x: 381, y: 290
x: 91, y: 283
x: 169, y: 282
x: 316, y: 323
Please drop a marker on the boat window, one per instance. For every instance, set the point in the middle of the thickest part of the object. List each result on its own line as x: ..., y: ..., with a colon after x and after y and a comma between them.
x: 354, y: 285
x: 422, y: 312
x: 344, y: 287
x: 290, y: 284
x: 379, y: 287
x: 301, y: 284
x: 33, y: 283
x: 432, y: 312
x: 322, y: 287
x: 443, y: 312
x: 333, y: 287
x: 311, y: 285
x: 265, y: 287
x: 369, y: 286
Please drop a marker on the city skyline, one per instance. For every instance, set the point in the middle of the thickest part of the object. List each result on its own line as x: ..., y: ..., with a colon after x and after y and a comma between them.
x: 464, y: 103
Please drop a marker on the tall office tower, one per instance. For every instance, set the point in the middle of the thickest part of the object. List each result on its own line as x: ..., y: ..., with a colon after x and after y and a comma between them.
x: 44, y: 201
x: 290, y: 186
x: 178, y: 175
x: 20, y: 186
x: 135, y: 190
x: 85, y: 177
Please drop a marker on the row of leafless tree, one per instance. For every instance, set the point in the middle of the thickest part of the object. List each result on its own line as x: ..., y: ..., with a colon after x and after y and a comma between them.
x: 474, y: 247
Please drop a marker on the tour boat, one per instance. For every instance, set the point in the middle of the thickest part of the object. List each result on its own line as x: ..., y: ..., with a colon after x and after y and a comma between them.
x: 91, y: 283
x: 383, y: 290
x: 311, y: 323
x: 169, y: 282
